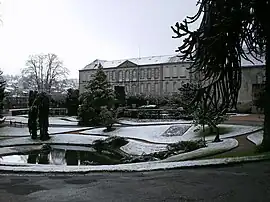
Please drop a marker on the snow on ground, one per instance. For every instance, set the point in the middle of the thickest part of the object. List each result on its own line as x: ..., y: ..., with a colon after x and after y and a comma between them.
x: 52, y: 120
x: 71, y: 118
x: 233, y: 131
x: 23, y: 131
x: 211, y: 149
x: 236, y: 114
x: 137, y: 123
x: 148, y: 133
x: 138, y: 148
x: 256, y: 138
x: 53, y: 130
x: 55, y: 139
x: 14, y: 131
x: 157, y: 133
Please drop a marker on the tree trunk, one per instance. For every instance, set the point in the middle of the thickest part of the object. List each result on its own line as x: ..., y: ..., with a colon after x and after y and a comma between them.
x: 266, y: 135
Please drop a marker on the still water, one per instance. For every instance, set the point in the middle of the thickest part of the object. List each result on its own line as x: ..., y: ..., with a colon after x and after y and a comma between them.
x: 64, y: 155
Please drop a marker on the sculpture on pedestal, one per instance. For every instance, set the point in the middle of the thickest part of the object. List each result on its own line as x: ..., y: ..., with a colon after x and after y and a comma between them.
x: 38, y: 109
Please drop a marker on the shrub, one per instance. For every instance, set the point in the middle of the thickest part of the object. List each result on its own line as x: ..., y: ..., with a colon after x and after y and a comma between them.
x: 186, y: 146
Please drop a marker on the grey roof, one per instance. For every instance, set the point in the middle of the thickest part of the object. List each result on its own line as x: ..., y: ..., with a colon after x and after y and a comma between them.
x: 153, y: 60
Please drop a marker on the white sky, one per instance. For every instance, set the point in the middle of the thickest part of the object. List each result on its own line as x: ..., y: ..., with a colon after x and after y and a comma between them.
x: 80, y: 31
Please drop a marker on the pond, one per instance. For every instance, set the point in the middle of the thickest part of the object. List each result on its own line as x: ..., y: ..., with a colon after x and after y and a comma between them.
x: 64, y: 155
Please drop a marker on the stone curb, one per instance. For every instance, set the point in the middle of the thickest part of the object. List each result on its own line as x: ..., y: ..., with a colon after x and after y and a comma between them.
x: 136, y: 167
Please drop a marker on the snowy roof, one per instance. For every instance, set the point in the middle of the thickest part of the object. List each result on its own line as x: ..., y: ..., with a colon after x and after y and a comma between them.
x: 153, y: 60
x: 246, y: 63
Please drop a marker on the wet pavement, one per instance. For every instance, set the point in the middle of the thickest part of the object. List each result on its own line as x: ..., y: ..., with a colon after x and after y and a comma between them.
x: 242, y: 182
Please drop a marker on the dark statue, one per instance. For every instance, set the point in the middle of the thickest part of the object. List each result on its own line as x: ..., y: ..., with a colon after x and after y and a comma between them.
x: 38, y: 109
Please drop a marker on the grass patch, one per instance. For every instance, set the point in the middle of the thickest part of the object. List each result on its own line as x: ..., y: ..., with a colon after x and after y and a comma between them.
x: 207, y: 131
x: 251, y: 152
x: 235, y: 154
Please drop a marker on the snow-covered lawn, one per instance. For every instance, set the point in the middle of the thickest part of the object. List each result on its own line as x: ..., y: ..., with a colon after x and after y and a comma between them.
x: 52, y: 120
x: 23, y: 131
x: 14, y: 131
x: 236, y: 114
x: 55, y: 139
x: 157, y: 133
x: 233, y: 131
x: 148, y: 133
x: 53, y: 130
x: 137, y: 148
x: 211, y: 149
x: 256, y: 138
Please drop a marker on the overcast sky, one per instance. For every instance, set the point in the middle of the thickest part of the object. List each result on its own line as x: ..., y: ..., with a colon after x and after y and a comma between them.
x: 80, y: 31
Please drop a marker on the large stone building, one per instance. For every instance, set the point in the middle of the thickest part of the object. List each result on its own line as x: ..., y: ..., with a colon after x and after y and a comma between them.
x: 253, y: 74
x: 156, y: 75
x: 161, y: 75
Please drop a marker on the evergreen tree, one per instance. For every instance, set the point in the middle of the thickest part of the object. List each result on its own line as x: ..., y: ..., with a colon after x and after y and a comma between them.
x: 72, y: 101
x: 229, y: 30
x: 2, y: 90
x: 98, y: 94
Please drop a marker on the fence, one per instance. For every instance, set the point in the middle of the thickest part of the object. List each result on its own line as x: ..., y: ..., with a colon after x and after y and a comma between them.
x: 156, y: 114
x: 53, y: 111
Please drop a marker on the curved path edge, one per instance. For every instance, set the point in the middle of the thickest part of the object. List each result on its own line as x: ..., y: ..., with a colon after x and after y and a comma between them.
x: 136, y: 167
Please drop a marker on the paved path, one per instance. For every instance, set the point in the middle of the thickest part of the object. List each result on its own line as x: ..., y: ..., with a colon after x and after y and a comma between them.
x: 245, y: 147
x: 247, y: 182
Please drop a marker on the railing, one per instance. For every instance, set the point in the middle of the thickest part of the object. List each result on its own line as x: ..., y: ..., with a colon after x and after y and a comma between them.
x: 53, y: 111
x: 156, y: 114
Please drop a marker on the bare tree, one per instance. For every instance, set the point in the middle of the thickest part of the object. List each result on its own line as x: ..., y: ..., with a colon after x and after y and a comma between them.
x: 43, y: 71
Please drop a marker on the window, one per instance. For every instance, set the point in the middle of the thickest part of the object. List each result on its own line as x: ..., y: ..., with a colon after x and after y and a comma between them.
x: 167, y: 87
x: 149, y: 73
x: 120, y: 75
x: 182, y: 71
x: 156, y: 88
x: 156, y: 73
x: 127, y: 75
x: 127, y: 88
x: 113, y: 75
x: 134, y: 74
x: 142, y: 74
x: 149, y: 87
x: 175, y: 71
x: 134, y: 89
x: 142, y: 88
x: 166, y: 71
x: 259, y: 78
x: 174, y: 87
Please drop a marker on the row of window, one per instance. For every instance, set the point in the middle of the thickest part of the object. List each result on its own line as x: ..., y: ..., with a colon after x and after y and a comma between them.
x: 149, y: 73
x: 175, y: 71
x: 127, y: 75
x: 152, y: 87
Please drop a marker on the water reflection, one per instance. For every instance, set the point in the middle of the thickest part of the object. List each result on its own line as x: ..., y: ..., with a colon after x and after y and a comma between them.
x: 58, y: 156
x: 72, y: 157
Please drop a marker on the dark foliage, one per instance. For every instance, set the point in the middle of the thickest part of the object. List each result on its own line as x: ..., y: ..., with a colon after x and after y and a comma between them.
x: 229, y: 30
x: 72, y: 102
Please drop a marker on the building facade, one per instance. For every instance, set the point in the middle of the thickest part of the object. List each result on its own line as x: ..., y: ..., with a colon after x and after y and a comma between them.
x: 253, y: 77
x: 156, y: 75
x: 161, y: 75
